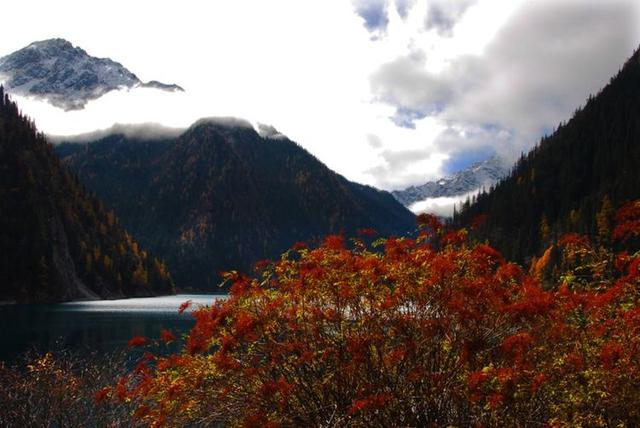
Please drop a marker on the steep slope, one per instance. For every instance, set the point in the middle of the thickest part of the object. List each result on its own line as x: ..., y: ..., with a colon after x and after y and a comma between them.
x: 587, y: 165
x: 481, y: 174
x: 65, y: 75
x: 57, y: 241
x: 221, y: 197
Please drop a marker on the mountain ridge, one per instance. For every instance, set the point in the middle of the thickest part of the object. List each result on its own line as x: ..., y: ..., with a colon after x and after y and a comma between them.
x: 221, y: 196
x: 66, y: 75
x: 480, y: 174
x: 58, y: 241
x: 571, y: 180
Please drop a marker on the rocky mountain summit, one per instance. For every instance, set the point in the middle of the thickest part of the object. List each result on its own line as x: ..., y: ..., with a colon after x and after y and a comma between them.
x: 65, y: 75
x: 478, y: 175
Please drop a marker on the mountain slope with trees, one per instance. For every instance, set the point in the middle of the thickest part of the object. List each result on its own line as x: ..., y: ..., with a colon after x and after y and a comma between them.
x: 58, y: 240
x: 571, y: 180
x: 221, y: 196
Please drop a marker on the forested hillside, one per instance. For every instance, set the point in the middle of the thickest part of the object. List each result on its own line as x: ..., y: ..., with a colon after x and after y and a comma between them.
x: 58, y: 241
x: 572, y: 180
x: 221, y: 196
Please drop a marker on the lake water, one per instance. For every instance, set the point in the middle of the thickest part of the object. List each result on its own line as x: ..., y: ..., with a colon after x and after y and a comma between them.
x: 100, y: 326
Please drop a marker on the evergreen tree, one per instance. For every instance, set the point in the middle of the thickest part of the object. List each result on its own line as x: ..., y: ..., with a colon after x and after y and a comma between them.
x: 572, y: 179
x: 57, y: 240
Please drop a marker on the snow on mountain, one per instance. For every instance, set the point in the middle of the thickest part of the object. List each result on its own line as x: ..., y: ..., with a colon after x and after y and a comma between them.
x: 439, y: 196
x: 66, y: 76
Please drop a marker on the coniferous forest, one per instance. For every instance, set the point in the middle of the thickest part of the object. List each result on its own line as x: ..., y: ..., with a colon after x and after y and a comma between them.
x: 522, y: 310
x: 572, y: 180
x: 221, y: 197
x: 59, y: 241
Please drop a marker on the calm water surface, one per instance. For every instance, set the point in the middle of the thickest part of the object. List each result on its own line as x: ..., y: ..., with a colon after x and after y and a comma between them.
x: 100, y: 326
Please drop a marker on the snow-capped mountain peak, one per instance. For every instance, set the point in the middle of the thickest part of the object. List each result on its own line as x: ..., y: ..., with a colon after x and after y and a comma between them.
x: 457, y: 186
x: 65, y: 75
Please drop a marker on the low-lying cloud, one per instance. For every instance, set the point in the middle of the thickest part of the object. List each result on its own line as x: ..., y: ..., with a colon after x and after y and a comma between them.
x: 443, y: 206
x: 139, y: 131
x: 386, y: 92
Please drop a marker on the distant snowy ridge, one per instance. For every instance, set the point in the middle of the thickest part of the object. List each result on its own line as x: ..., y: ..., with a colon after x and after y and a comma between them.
x: 439, y: 196
x: 66, y: 76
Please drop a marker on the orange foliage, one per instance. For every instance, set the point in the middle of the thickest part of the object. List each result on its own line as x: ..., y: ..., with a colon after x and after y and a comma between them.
x: 428, y: 332
x: 542, y: 263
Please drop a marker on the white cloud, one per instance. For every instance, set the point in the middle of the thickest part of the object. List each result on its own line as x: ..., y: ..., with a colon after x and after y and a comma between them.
x: 442, y: 206
x: 314, y: 71
x: 540, y: 65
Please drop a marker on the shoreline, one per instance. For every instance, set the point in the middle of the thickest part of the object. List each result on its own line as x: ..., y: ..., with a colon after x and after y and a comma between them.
x: 15, y: 302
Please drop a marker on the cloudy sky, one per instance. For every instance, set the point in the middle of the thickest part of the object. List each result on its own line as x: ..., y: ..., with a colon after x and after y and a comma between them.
x: 386, y: 92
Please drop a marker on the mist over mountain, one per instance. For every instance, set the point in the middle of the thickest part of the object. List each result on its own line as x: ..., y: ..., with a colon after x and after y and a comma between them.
x: 220, y: 196
x: 139, y: 131
x: 58, y: 241
x: 66, y: 76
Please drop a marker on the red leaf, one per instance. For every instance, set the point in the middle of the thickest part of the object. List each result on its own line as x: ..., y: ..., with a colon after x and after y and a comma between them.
x: 137, y: 341
x: 166, y: 336
x: 183, y: 307
x: 102, y: 395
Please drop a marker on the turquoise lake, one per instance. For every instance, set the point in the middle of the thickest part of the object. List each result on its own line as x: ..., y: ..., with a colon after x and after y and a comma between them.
x: 99, y: 326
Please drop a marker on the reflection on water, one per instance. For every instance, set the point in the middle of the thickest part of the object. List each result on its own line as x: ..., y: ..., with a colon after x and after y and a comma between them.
x: 101, y: 326
x: 166, y: 305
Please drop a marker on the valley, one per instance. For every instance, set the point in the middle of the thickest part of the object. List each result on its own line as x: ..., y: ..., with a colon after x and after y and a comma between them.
x: 322, y: 225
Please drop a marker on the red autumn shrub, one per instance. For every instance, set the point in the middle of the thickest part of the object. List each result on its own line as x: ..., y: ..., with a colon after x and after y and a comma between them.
x: 429, y: 332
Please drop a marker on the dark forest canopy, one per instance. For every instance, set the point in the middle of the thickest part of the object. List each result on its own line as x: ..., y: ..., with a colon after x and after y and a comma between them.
x: 220, y: 197
x: 571, y: 180
x: 58, y: 240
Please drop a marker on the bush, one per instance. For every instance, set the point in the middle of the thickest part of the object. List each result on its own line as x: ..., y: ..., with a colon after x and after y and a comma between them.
x: 61, y: 391
x: 404, y: 332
